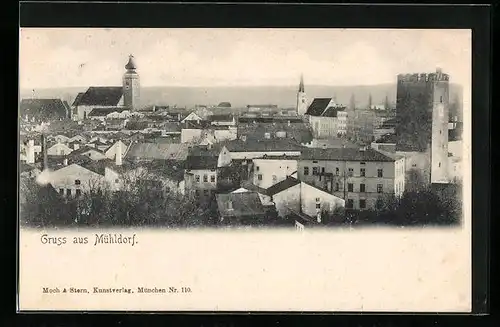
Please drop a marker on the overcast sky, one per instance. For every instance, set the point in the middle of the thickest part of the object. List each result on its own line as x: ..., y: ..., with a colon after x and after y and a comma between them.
x: 224, y: 57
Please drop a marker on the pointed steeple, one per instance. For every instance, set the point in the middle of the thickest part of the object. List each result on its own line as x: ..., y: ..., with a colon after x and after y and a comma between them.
x: 131, y: 63
x: 301, y: 85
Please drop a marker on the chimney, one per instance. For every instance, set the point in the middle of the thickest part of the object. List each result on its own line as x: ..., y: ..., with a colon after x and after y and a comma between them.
x: 288, y: 123
x: 45, y: 165
x: 30, y: 152
x: 65, y: 162
x: 118, y: 155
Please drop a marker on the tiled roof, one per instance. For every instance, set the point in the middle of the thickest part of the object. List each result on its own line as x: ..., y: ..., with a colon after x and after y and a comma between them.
x: 43, y: 108
x: 281, y: 186
x: 254, y: 188
x: 165, y: 169
x: 344, y: 154
x: 224, y: 118
x: 298, y: 132
x: 332, y: 111
x: 162, y: 151
x: 201, y: 162
x: 263, y: 145
x: 100, y: 112
x: 85, y: 149
x: 317, y: 107
x: 101, y: 96
x: 243, y: 204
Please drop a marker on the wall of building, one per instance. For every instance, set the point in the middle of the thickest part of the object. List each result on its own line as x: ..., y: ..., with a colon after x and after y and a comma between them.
x: 224, y: 159
x: 311, y: 198
x: 59, y: 149
x: 324, y: 127
x: 111, y: 152
x: 302, y: 103
x: 271, y: 171
x: 66, y: 178
x: 131, y: 90
x: 194, y: 180
x: 287, y: 199
x: 370, y: 180
x: 189, y: 135
x: 439, y: 144
x: 416, y: 163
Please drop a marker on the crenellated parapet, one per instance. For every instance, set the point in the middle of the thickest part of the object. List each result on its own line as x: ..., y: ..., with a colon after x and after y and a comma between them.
x: 438, y: 76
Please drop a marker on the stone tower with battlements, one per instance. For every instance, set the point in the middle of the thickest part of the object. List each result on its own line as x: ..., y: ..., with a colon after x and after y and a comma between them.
x: 131, y: 85
x: 301, y: 98
x: 422, y: 107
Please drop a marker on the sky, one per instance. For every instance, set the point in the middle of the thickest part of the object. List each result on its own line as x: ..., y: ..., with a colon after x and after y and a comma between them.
x: 81, y: 57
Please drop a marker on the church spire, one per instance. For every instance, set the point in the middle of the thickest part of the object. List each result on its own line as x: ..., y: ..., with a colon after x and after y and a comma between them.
x: 301, y: 85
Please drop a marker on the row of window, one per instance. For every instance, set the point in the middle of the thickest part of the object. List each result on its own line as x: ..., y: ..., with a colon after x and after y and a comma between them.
x: 362, y: 187
x: 205, y: 192
x: 205, y: 178
x: 78, y: 192
x: 362, y: 204
x: 350, y: 171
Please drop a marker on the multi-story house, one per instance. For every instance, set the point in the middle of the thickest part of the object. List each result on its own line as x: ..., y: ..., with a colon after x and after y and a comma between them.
x: 362, y: 177
x: 326, y: 118
x: 270, y: 170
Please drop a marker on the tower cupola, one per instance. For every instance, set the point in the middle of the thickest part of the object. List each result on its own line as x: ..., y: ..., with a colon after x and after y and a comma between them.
x: 130, y: 66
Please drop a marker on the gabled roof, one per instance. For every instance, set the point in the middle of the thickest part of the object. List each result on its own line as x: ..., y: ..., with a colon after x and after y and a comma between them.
x: 84, y: 149
x: 243, y: 204
x: 281, y: 186
x: 43, y: 108
x: 77, y: 99
x: 101, y: 96
x: 101, y: 112
x: 201, y: 162
x: 162, y: 151
x: 320, y: 107
x: 254, y: 188
x: 224, y: 118
x: 344, y: 154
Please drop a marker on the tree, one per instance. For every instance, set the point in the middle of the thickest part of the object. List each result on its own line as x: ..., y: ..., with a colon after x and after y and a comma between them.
x: 352, y: 103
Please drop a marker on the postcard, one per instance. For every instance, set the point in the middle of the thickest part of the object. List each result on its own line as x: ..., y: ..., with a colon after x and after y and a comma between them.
x: 245, y: 170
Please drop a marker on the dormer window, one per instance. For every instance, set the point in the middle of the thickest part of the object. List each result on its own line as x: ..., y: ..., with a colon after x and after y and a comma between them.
x: 77, y: 182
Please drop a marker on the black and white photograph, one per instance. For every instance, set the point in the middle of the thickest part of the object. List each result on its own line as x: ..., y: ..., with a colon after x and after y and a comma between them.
x: 239, y: 132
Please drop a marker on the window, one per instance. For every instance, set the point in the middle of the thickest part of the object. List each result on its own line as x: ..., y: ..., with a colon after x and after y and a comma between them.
x: 379, y: 204
x: 362, y: 172
x: 78, y: 192
x: 77, y: 182
x: 315, y: 161
x: 323, y: 170
x: 414, y: 165
x: 61, y: 191
x: 337, y: 187
x: 259, y: 177
x: 362, y: 188
x: 350, y: 187
x: 380, y: 172
x: 362, y: 163
x: 212, y: 178
x: 439, y: 165
x: 306, y: 171
x: 68, y: 192
x: 257, y: 168
x: 318, y: 205
x: 197, y: 178
x: 205, y: 178
x: 350, y: 203
x: 441, y: 99
x: 337, y: 171
x: 206, y: 192
x: 117, y: 180
x: 379, y: 188
x: 315, y: 170
x: 362, y: 203
x: 351, y: 172
x: 317, y: 199
x: 197, y: 192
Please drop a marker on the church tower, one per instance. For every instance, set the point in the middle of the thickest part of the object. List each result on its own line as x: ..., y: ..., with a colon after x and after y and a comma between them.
x: 131, y: 85
x: 301, y: 98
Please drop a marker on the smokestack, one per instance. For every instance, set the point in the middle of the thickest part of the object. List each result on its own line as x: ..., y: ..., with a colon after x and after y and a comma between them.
x: 45, y: 165
x: 118, y: 155
x: 30, y: 152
